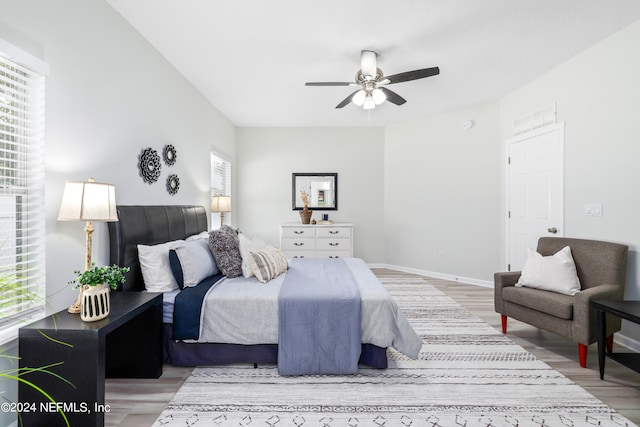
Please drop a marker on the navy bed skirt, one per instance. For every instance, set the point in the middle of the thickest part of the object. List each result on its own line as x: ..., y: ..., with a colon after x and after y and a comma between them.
x: 179, y: 353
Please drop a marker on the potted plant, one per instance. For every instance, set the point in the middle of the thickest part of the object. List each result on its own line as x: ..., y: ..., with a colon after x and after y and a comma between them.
x: 95, y: 283
x: 305, y: 213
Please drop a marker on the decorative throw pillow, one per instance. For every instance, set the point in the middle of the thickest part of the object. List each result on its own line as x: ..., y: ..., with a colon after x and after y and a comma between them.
x: 556, y: 273
x: 247, y: 246
x: 192, y: 262
x: 156, y: 270
x: 268, y: 263
x: 225, y: 247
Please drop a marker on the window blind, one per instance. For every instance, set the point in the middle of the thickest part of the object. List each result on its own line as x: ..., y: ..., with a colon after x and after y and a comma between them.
x: 220, y: 185
x: 22, y: 216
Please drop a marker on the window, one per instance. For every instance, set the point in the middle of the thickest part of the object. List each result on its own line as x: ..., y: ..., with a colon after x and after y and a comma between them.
x: 22, y: 216
x: 220, y: 186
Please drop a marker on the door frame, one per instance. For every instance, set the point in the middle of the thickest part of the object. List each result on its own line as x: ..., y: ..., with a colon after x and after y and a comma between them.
x: 558, y: 127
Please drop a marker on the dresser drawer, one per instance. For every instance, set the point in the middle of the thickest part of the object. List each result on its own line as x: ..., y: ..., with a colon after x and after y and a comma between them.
x: 298, y: 244
x: 299, y: 254
x: 317, y: 240
x: 342, y: 232
x: 333, y: 254
x: 288, y: 232
x: 333, y: 244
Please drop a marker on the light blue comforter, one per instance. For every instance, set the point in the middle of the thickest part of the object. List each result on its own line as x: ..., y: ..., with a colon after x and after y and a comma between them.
x: 318, y: 319
x: 245, y: 311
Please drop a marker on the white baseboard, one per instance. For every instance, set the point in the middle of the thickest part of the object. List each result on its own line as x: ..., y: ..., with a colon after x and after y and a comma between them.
x: 626, y: 341
x: 631, y: 343
x: 435, y: 275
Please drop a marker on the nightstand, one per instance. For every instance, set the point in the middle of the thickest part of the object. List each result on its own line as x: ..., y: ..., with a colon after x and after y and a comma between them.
x: 126, y: 344
x: 628, y: 310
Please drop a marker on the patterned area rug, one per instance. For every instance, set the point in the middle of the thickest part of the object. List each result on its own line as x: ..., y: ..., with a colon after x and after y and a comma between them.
x: 467, y: 374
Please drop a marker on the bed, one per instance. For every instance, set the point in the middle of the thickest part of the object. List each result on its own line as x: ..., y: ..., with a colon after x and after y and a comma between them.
x: 154, y: 225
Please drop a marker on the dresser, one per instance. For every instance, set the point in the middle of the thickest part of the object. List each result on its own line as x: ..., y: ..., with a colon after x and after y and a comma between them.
x: 317, y: 241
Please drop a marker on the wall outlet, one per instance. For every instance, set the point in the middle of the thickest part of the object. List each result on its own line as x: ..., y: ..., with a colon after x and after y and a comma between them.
x: 593, y: 209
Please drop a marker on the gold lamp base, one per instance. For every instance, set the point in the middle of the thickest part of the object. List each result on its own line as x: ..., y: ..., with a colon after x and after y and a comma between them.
x: 75, y: 308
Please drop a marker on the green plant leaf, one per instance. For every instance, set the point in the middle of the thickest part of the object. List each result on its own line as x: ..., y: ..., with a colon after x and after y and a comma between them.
x: 41, y: 391
x: 101, y: 275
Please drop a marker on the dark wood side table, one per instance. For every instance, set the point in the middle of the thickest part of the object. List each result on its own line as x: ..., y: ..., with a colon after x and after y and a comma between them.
x: 126, y: 344
x: 628, y: 310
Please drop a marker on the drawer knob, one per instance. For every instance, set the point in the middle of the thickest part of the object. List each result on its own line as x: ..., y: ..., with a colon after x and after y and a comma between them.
x: 333, y: 244
x: 299, y: 256
x: 298, y: 231
x: 298, y: 243
x: 334, y: 256
x: 334, y: 231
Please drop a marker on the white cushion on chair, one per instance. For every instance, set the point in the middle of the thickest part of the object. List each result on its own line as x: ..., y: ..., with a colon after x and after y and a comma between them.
x: 556, y: 273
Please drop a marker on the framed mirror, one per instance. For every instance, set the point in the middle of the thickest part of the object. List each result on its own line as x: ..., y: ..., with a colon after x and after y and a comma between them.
x: 322, y: 189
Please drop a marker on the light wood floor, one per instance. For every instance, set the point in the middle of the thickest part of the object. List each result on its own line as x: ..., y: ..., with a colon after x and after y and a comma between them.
x: 137, y: 403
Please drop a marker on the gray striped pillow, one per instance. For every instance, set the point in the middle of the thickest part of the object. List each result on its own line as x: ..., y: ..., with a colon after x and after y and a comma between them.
x: 268, y: 263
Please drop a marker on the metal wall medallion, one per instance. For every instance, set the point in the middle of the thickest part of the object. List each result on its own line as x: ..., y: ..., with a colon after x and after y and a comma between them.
x: 149, y: 165
x: 169, y: 154
x: 173, y: 184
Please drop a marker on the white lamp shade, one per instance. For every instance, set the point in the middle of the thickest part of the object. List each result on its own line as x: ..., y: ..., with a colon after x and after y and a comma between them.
x: 378, y: 96
x: 88, y: 201
x: 369, y: 103
x: 358, y: 97
x: 221, y: 204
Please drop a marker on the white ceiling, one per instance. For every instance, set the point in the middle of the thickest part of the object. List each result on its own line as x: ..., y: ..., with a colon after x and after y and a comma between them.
x: 251, y: 58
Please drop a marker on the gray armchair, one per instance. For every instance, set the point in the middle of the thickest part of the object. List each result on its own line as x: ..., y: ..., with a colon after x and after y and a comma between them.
x: 601, y: 267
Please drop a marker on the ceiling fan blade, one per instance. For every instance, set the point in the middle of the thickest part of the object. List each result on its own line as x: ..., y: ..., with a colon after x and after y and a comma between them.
x: 329, y: 84
x: 413, y: 75
x: 346, y: 100
x: 368, y: 64
x: 393, y: 97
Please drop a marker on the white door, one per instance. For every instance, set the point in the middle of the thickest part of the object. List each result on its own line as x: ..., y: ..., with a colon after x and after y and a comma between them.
x: 535, y: 191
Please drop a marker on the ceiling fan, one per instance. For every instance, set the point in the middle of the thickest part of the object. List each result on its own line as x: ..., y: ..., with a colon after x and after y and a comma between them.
x: 372, y: 83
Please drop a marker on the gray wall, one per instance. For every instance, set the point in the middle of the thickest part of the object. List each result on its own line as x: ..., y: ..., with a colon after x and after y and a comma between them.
x: 268, y: 156
x: 598, y: 98
x: 442, y: 194
x: 109, y: 94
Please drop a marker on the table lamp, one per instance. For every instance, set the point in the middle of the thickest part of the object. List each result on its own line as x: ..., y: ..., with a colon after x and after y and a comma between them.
x: 221, y: 204
x: 87, y: 201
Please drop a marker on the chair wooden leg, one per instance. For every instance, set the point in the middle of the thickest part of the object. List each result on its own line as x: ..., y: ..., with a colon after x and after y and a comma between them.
x: 504, y: 324
x: 610, y: 343
x: 582, y: 350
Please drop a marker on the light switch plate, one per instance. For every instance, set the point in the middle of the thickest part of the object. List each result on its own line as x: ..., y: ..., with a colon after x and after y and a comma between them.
x: 593, y: 209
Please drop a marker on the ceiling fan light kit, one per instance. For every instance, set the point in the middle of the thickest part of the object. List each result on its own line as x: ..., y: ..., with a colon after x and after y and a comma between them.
x: 358, y: 97
x: 368, y: 103
x: 372, y: 82
x: 378, y: 96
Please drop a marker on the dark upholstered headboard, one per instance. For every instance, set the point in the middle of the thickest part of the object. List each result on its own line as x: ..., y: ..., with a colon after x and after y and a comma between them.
x: 149, y: 225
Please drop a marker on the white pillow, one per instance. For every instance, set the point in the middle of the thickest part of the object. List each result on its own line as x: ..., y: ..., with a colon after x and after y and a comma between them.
x: 156, y: 270
x: 556, y: 273
x: 201, y: 235
x: 268, y: 263
x: 247, y: 246
x: 196, y: 261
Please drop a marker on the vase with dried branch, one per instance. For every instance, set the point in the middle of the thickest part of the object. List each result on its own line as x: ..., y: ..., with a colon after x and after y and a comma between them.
x: 305, y: 213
